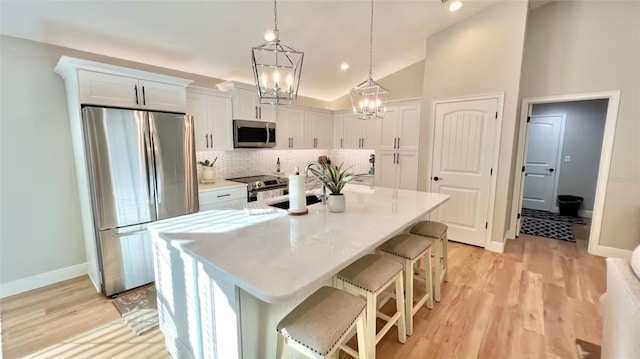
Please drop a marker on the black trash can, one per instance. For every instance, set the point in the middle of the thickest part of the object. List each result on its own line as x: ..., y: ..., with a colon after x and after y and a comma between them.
x: 569, y: 205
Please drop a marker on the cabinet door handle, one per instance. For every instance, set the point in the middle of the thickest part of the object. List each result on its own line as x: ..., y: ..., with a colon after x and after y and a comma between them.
x: 341, y: 143
x: 135, y: 89
x: 398, y: 142
x: 394, y: 143
x: 256, y: 112
x: 394, y: 158
x: 206, y: 138
x: 211, y: 140
x: 144, y: 98
x: 363, y: 143
x: 224, y: 195
x: 398, y: 159
x: 260, y: 112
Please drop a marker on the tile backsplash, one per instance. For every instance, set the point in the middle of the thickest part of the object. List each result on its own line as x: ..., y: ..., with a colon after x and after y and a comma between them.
x: 249, y: 162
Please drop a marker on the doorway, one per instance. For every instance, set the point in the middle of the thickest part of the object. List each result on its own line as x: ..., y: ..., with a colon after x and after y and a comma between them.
x: 564, y: 148
x: 465, y: 135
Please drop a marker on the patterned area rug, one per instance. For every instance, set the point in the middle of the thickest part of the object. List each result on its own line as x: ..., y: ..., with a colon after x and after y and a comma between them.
x: 138, y: 308
x: 548, y: 229
x: 550, y: 216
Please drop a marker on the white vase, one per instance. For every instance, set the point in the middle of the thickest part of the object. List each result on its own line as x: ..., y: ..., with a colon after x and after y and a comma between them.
x: 336, y: 203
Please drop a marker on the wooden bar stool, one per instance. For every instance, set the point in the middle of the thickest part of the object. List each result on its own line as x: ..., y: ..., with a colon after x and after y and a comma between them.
x: 410, y: 250
x: 369, y: 277
x: 437, y: 232
x: 319, y: 325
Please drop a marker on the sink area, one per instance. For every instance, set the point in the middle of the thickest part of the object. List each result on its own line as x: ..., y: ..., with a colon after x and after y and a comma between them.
x: 311, y: 199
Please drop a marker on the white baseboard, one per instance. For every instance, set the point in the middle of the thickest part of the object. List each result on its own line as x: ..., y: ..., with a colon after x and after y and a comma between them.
x: 495, y: 246
x: 605, y: 251
x: 42, y: 280
x: 585, y: 214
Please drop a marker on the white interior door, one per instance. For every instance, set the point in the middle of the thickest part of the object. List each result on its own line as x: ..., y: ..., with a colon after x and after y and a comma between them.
x: 463, y: 145
x: 542, y: 155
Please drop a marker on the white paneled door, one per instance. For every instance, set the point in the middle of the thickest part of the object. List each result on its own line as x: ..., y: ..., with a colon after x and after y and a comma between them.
x: 544, y: 141
x: 464, y: 137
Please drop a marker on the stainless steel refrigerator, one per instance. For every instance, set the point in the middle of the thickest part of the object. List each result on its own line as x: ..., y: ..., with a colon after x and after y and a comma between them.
x: 142, y: 168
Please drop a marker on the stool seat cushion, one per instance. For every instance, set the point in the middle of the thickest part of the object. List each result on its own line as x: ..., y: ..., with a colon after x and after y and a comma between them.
x: 371, y: 272
x: 321, y: 320
x: 429, y: 229
x: 406, y: 246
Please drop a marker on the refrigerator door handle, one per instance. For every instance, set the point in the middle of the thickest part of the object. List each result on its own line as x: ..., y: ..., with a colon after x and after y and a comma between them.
x: 149, y: 164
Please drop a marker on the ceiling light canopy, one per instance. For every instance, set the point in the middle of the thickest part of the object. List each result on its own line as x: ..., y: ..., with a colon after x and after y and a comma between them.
x: 276, y: 68
x: 369, y: 99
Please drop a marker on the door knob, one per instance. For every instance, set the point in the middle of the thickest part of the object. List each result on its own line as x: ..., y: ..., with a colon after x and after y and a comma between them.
x: 436, y: 178
x: 551, y: 170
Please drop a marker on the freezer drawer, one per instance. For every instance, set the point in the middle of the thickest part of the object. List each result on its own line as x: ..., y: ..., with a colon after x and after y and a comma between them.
x: 127, y: 258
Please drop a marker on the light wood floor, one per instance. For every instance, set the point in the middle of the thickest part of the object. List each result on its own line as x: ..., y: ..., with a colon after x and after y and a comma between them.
x: 533, y: 301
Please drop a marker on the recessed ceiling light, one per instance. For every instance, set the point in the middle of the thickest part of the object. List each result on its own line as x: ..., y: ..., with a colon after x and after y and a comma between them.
x: 344, y: 66
x: 455, y: 6
x: 269, y: 35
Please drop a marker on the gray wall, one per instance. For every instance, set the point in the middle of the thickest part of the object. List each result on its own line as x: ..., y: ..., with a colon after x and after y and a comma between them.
x: 584, y: 128
x: 575, y: 47
x: 476, y: 56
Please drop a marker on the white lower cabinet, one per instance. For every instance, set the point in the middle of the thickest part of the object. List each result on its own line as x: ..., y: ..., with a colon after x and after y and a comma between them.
x: 221, y: 198
x: 397, y: 169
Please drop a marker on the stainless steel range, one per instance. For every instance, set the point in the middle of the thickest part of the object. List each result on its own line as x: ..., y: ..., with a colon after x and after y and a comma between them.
x: 263, y: 186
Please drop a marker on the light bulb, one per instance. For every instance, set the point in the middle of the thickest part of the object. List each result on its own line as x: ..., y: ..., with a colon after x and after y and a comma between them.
x: 276, y: 79
x: 344, y: 66
x: 455, y: 5
x: 269, y: 36
x: 263, y: 79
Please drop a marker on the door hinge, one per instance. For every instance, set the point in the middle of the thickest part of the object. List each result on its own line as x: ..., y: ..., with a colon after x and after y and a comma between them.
x: 528, y: 119
x: 491, y: 172
x: 518, y: 215
x: 496, y: 115
x: 522, y: 168
x: 486, y: 225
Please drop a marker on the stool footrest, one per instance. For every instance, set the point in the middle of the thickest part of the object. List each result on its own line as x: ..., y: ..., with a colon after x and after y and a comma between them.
x: 390, y: 323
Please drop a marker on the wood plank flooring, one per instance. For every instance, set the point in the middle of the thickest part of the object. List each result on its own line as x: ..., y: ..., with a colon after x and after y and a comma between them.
x: 533, y: 301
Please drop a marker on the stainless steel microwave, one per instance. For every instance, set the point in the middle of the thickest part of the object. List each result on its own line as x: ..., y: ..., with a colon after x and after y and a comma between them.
x: 254, y: 134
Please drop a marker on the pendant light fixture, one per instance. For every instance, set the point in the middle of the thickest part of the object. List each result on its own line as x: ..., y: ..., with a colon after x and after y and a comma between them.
x: 276, y: 69
x: 369, y: 99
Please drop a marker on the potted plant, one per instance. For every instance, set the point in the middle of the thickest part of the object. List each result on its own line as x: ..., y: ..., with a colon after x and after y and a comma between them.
x: 334, y: 178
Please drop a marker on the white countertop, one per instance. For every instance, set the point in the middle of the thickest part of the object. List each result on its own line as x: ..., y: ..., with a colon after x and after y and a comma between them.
x: 273, y: 257
x: 202, y: 187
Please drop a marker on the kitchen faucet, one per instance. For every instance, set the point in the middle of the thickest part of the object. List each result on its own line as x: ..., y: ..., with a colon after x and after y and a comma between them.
x: 306, y: 175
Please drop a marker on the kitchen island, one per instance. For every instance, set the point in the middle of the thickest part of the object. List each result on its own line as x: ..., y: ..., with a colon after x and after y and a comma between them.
x: 225, y: 279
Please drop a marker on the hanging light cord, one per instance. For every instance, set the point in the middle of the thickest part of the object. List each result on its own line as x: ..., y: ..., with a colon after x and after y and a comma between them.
x: 371, y: 43
x: 275, y: 16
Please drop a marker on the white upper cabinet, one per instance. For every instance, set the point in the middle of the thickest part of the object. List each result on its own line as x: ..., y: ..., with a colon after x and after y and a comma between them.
x: 401, y: 127
x: 212, y: 119
x: 318, y: 129
x: 290, y: 132
x: 165, y: 97
x: 359, y: 134
x: 338, y: 130
x: 409, y: 127
x: 246, y: 103
x: 108, y: 90
x: 103, y: 89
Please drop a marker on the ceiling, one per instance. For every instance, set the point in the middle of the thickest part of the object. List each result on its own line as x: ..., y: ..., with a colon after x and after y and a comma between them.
x: 214, y: 38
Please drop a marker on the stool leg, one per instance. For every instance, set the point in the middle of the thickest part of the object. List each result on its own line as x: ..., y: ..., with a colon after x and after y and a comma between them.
x: 401, y: 307
x: 408, y: 298
x: 445, y: 257
x: 281, y: 347
x: 437, y: 284
x: 371, y: 325
x: 428, y: 280
x: 361, y: 333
